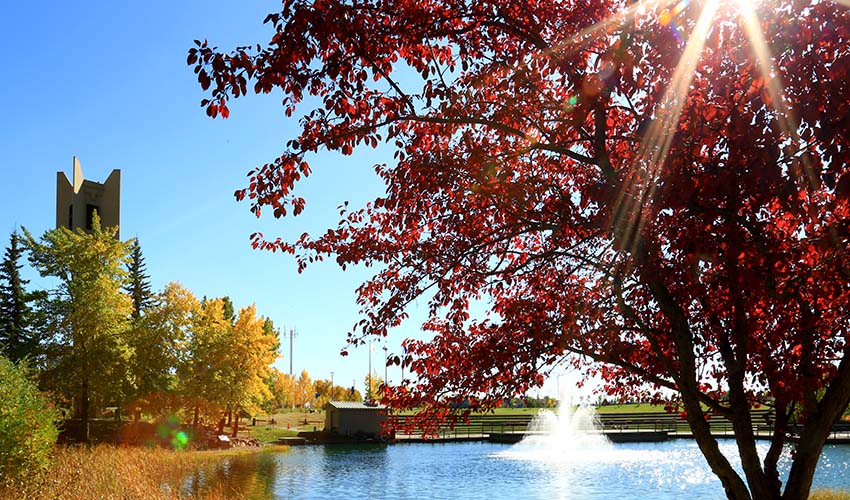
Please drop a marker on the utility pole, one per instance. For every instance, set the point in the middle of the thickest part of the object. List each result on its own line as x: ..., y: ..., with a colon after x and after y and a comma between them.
x: 292, y: 334
x: 332, y: 387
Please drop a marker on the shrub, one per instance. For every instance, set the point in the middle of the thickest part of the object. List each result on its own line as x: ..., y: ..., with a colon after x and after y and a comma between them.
x: 27, y: 431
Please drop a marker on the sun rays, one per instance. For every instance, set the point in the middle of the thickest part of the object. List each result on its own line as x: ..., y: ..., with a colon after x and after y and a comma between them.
x: 656, y: 143
x: 640, y: 182
x: 639, y: 186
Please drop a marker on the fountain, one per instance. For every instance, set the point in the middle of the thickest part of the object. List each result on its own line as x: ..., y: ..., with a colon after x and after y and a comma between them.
x: 570, y: 433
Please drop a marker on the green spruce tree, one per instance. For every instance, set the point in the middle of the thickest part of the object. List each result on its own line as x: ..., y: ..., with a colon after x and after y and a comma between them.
x: 18, y: 336
x: 229, y: 310
x: 139, y: 287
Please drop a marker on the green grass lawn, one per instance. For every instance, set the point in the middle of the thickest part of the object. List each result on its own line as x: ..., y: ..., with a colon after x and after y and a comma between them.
x: 630, y: 408
x: 517, y: 411
x: 270, y: 434
x: 607, y: 409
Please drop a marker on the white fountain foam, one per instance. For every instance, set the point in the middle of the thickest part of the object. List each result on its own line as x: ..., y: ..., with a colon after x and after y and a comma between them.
x: 572, y: 433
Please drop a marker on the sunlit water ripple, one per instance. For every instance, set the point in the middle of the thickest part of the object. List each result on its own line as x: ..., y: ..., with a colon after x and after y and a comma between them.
x: 651, y: 471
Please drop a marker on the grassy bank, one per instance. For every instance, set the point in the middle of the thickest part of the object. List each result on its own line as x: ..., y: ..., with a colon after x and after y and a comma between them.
x: 268, y: 434
x: 107, y: 472
x: 830, y: 495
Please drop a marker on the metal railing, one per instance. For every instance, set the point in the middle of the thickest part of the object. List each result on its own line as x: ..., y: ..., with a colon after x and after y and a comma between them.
x: 480, y: 426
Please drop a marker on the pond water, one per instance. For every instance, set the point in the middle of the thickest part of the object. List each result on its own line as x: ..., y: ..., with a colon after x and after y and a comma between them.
x: 474, y: 470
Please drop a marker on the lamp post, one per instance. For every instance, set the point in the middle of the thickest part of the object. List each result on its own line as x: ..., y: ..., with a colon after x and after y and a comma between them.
x: 369, y: 375
x: 292, y: 334
x: 403, y: 356
x: 386, y: 362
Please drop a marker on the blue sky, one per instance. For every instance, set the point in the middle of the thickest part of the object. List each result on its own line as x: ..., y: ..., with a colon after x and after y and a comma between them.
x: 107, y: 82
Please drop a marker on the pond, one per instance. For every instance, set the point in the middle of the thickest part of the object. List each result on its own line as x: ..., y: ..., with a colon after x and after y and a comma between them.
x: 477, y: 470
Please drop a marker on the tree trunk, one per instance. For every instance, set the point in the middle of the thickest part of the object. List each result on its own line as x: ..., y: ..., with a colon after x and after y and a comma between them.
x: 229, y: 416
x: 221, y: 425
x: 733, y: 485
x: 777, y: 442
x: 806, y: 455
x: 817, y: 429
x: 195, y: 418
x: 808, y: 450
x: 235, y: 425
x: 85, y: 434
x: 758, y: 483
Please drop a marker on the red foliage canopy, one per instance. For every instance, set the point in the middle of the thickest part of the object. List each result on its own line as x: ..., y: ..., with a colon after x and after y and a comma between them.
x: 661, y: 188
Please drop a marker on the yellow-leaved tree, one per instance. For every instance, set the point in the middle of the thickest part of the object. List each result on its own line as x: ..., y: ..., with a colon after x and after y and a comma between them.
x: 282, y: 388
x: 159, y: 337
x: 373, y: 383
x: 303, y: 390
x: 87, y: 353
x: 249, y: 352
x: 324, y: 390
x: 200, y: 372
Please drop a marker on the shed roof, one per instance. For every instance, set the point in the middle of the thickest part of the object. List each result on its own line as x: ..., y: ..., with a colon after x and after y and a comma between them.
x: 351, y: 405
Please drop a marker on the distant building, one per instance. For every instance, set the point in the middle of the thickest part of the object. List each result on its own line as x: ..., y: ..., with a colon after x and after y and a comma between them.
x: 77, y: 201
x: 354, y: 419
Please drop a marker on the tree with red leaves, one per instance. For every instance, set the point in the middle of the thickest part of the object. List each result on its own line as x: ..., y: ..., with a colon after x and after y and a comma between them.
x: 656, y: 191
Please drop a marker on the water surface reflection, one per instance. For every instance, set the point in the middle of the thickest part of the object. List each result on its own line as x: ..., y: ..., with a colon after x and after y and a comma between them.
x: 481, y: 471
x: 251, y: 476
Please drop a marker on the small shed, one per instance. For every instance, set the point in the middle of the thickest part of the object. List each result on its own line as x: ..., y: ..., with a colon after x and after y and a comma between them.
x: 348, y: 418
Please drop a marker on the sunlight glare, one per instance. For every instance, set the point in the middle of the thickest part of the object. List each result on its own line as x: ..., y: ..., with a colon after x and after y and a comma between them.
x: 776, y: 95
x: 577, y: 40
x: 656, y: 143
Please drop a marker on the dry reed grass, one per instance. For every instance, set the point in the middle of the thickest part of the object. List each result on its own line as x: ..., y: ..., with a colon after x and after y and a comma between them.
x: 107, y: 472
x: 830, y: 495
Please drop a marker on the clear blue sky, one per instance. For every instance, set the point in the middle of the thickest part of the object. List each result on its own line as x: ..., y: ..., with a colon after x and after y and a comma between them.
x: 108, y: 82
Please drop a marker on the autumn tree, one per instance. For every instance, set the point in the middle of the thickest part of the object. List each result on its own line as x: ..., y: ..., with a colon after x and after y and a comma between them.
x: 224, y: 366
x: 351, y: 394
x: 657, y: 191
x: 158, y: 339
x: 373, y: 383
x: 282, y: 388
x: 246, y: 357
x: 200, y: 374
x: 303, y: 392
x: 322, y: 392
x: 88, y: 350
x: 19, y: 318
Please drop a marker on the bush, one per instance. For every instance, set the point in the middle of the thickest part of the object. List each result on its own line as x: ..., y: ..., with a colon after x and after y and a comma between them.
x: 27, y: 431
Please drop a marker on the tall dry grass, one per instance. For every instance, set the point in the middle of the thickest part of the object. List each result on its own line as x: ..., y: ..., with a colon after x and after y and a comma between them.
x: 830, y: 495
x: 107, y: 472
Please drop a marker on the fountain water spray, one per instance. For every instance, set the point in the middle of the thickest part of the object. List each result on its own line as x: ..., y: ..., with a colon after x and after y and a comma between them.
x: 568, y: 434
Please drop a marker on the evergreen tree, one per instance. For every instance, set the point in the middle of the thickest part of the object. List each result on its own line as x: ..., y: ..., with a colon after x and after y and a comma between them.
x: 229, y: 311
x: 18, y: 338
x: 139, y: 287
x: 272, y: 331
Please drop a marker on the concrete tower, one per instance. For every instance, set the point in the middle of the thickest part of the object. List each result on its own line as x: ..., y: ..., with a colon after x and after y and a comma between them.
x: 76, y: 202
